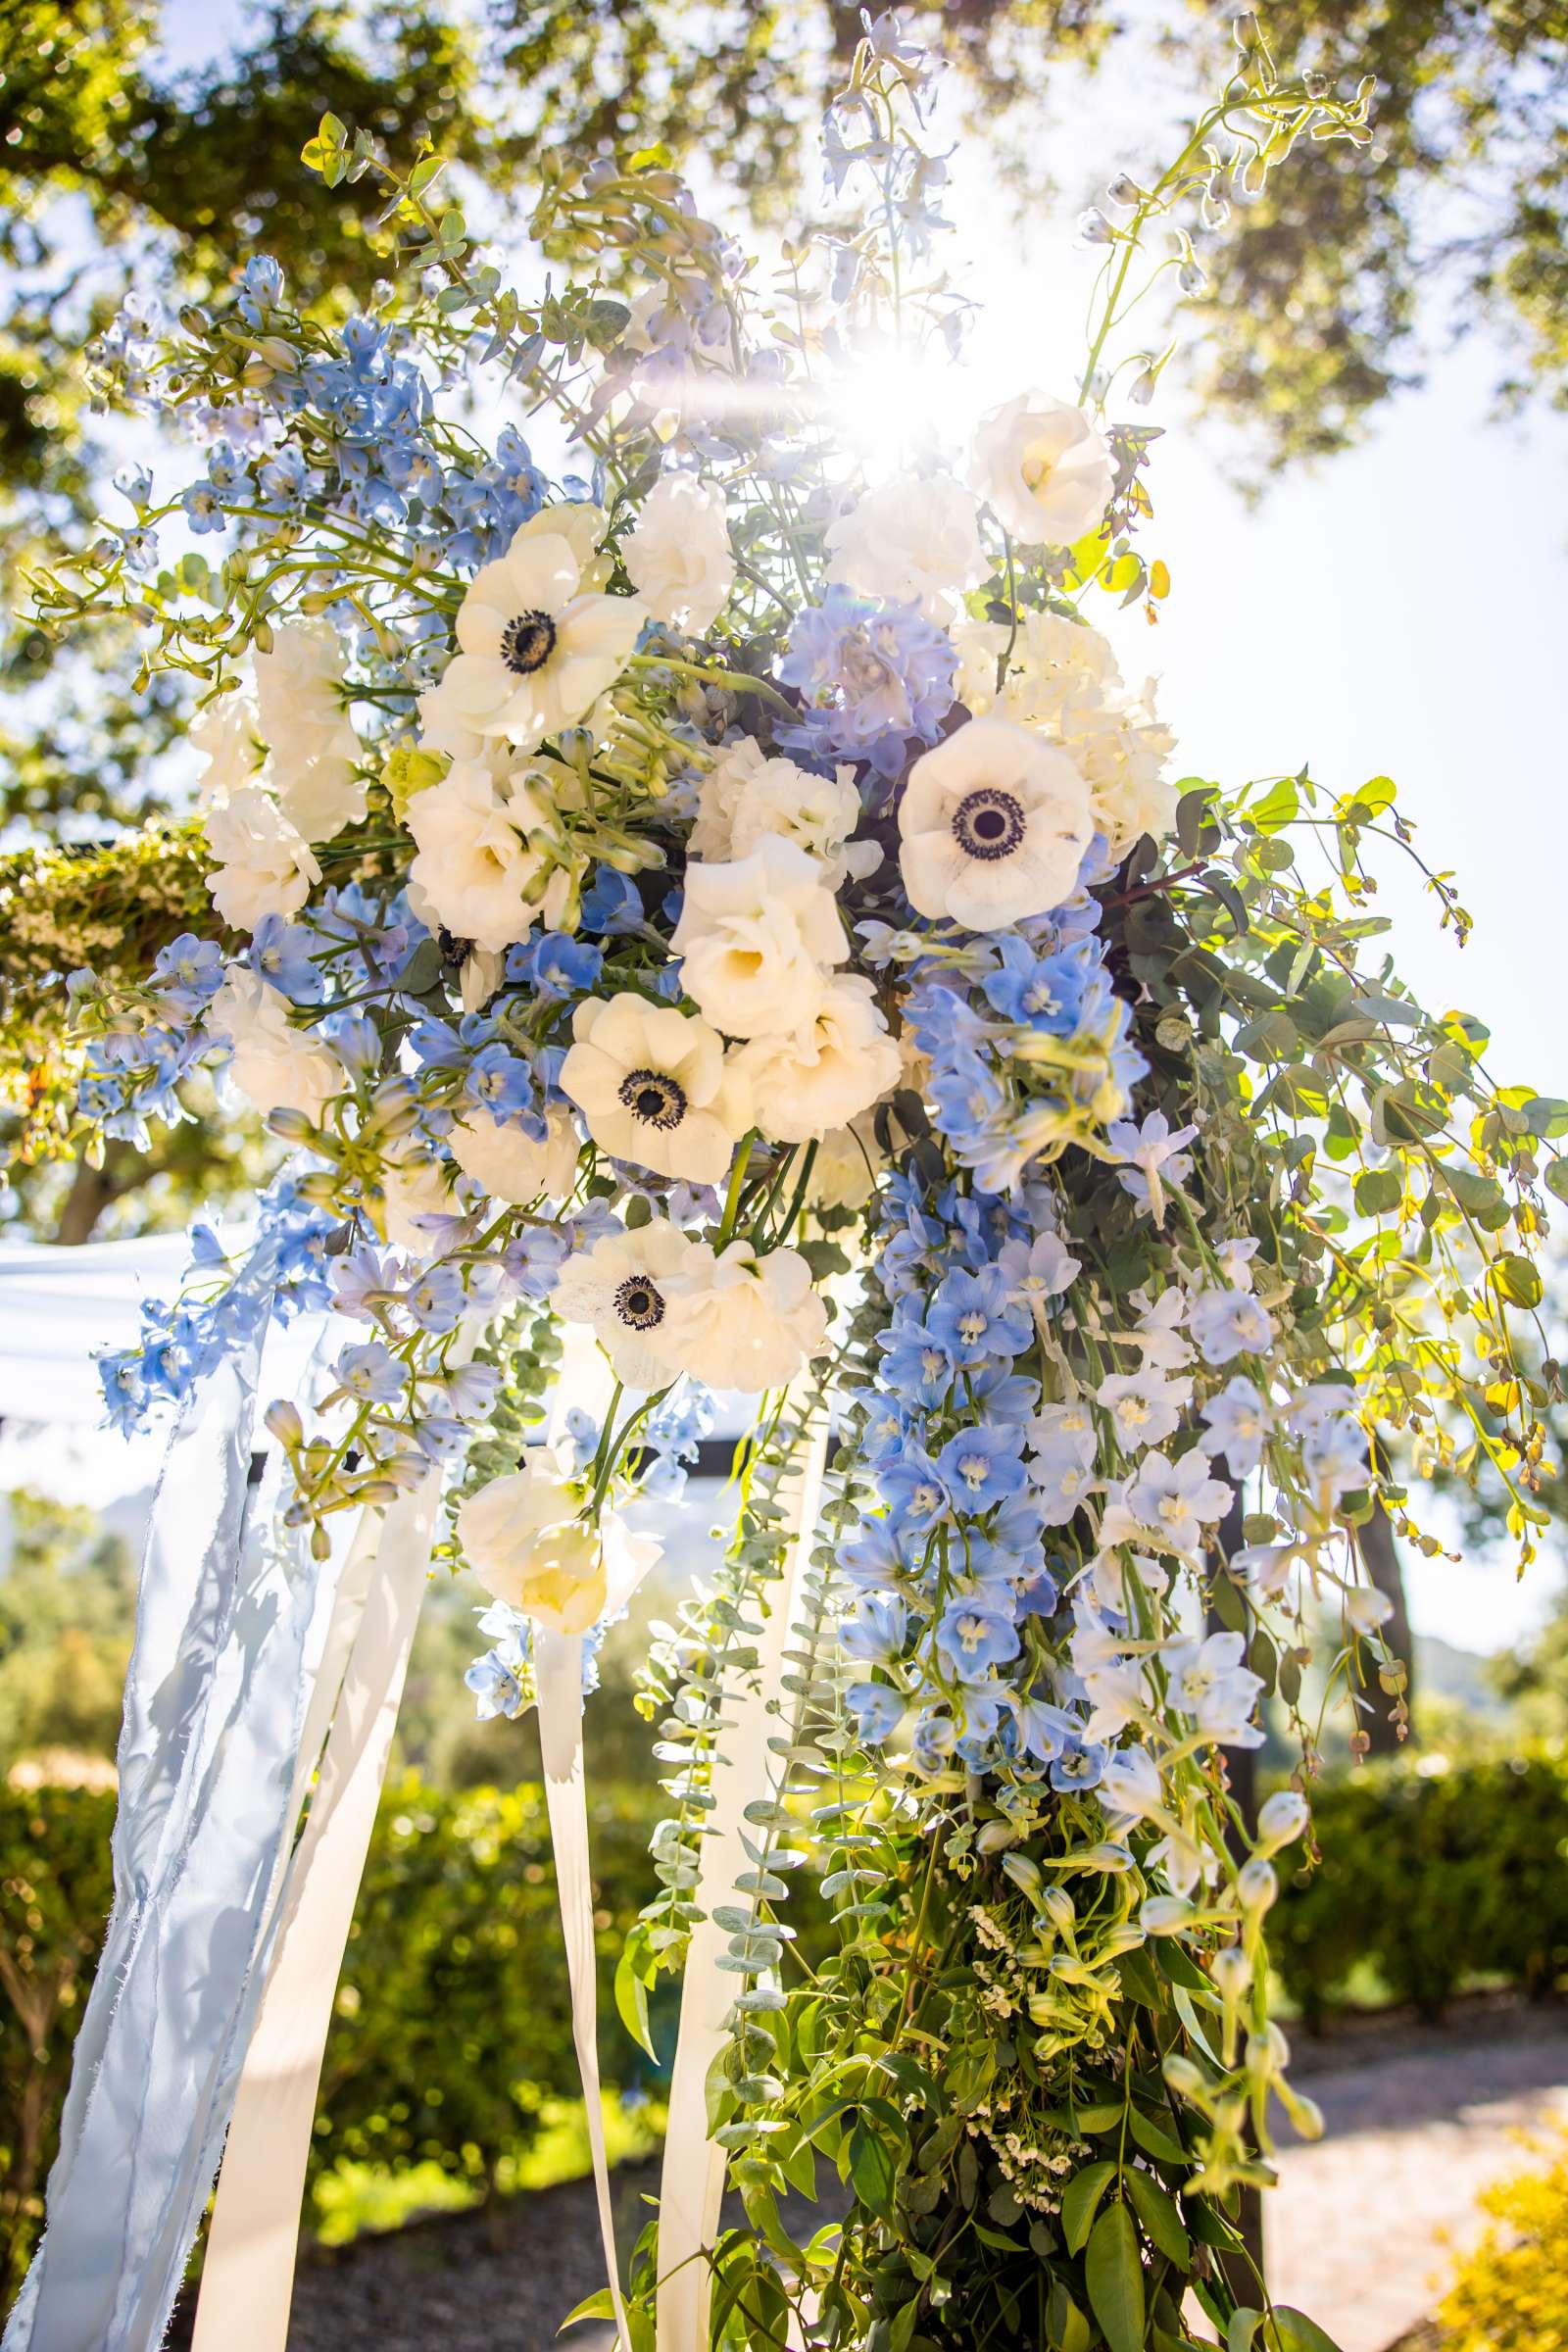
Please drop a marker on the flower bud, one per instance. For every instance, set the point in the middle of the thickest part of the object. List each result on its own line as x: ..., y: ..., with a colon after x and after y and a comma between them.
x: 1056, y: 1904
x: 1185, y: 2079
x: 1165, y: 1915
x: 1025, y: 1874
x: 1232, y: 1972
x: 1256, y: 1885
x: 283, y: 1421
x: 1281, y: 1820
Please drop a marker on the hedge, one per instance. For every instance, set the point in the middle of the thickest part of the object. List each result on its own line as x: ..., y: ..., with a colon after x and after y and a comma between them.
x: 452, y: 2026
x: 453, y: 2023
x: 1435, y: 1875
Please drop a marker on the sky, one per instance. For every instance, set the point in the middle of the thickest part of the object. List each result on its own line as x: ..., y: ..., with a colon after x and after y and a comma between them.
x: 1397, y: 610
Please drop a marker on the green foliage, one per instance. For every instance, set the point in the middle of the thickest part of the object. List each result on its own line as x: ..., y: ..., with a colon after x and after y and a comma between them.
x: 1435, y: 1877
x: 67, y: 1600
x: 453, y: 2027
x: 1511, y: 2294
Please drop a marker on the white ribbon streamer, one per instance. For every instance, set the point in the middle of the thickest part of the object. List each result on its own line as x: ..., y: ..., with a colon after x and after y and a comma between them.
x: 248, y: 2279
x: 691, y: 2187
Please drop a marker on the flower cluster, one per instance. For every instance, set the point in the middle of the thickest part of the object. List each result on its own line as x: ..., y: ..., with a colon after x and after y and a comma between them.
x: 726, y: 902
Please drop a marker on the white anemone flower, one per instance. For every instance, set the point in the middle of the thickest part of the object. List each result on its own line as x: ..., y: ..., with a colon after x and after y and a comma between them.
x: 757, y: 936
x: 620, y: 1287
x: 995, y: 824
x: 1043, y: 468
x: 535, y: 650
x: 824, y: 1074
x: 735, y: 1320
x: 678, y: 557
x: 656, y: 1089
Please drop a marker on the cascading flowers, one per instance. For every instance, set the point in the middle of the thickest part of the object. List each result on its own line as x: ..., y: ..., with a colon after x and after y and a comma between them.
x: 732, y: 905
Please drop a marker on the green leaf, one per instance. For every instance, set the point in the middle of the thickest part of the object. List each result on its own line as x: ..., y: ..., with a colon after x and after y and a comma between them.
x: 1114, y: 2275
x: 1287, y: 2330
x: 1547, y: 1116
x: 1081, y: 2201
x: 1156, y: 2210
x: 1279, y: 805
x: 631, y: 2004
x: 1378, y: 1191
x: 1557, y: 1179
x: 1241, y: 2330
x: 596, y: 2306
x: 872, y: 2172
x: 1517, y: 1279
x: 1149, y: 2137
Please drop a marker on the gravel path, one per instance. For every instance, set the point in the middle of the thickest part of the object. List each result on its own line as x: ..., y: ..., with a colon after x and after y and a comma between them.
x: 1417, y: 2123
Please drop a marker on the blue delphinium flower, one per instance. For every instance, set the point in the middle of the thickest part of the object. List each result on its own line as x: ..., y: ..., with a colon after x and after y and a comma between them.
x: 872, y: 678
x: 188, y: 972
x: 281, y: 953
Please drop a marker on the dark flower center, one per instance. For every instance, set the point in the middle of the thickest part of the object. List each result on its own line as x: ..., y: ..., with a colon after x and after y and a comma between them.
x: 988, y: 824
x: 654, y: 1097
x: 527, y: 642
x: 638, y: 1304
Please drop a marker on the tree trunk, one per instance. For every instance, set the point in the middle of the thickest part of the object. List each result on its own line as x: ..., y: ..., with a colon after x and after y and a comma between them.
x: 1382, y: 1557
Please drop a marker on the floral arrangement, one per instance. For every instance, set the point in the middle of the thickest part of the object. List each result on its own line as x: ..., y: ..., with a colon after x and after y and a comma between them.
x: 725, y: 898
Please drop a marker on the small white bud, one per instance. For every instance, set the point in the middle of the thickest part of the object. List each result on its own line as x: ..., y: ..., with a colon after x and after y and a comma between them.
x: 1258, y: 1885
x: 1281, y: 1820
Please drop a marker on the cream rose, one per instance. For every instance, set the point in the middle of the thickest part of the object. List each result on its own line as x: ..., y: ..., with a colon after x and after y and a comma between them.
x: 735, y: 1320
x: 299, y: 703
x: 264, y: 865
x: 524, y: 1539
x: 509, y: 1163
x: 757, y: 936
x: 910, y: 540
x: 1043, y: 468
x: 825, y: 1074
x: 476, y: 873
x: 276, y: 1067
x: 678, y: 557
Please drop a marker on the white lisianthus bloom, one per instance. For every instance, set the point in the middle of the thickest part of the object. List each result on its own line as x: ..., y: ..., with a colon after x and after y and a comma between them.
x: 509, y: 1163
x: 757, y: 936
x: 299, y: 703
x: 225, y: 732
x: 825, y: 1074
x: 818, y: 813
x: 844, y: 1172
x: 620, y: 1287
x: 524, y: 1539
x: 911, y: 539
x: 656, y: 1089
x: 678, y: 557
x: 995, y: 824
x: 276, y: 1067
x: 739, y: 1321
x: 534, y: 649
x: 1043, y: 468
x: 413, y: 1188
x: 264, y: 865
x: 475, y: 873
x: 720, y: 795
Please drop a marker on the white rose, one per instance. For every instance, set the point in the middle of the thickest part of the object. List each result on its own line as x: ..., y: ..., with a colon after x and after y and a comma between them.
x: 911, y: 539
x: 265, y: 866
x: 1122, y: 753
x: 475, y: 873
x: 413, y: 1188
x: 844, y: 1172
x: 825, y: 1074
x: 535, y: 652
x: 224, y: 731
x: 740, y: 1321
x: 523, y: 1539
x: 816, y: 812
x: 720, y: 794
x: 299, y: 702
x: 1043, y: 468
x: 275, y: 1066
x: 755, y: 936
x: 995, y: 824
x: 619, y: 1287
x: 509, y: 1163
x: 656, y: 1089
x: 678, y: 557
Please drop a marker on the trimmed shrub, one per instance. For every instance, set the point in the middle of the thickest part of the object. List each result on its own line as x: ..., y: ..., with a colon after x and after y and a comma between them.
x: 1511, y: 2294
x: 1435, y: 1877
